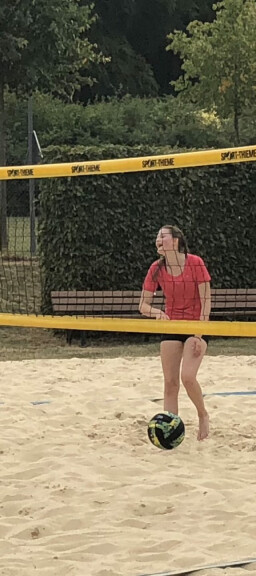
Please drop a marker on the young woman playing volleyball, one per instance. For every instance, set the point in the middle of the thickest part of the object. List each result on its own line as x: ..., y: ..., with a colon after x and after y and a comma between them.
x: 185, y: 282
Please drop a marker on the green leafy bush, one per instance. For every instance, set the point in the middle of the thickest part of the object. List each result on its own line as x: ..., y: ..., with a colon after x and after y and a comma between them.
x: 98, y: 232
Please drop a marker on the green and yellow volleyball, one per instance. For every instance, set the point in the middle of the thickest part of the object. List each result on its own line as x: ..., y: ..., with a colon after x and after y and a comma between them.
x: 166, y: 430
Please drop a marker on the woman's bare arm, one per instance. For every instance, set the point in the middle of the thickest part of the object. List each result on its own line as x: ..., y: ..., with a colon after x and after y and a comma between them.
x: 146, y: 308
x: 205, y: 297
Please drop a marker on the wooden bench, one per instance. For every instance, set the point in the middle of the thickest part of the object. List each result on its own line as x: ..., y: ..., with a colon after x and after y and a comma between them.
x: 227, y: 303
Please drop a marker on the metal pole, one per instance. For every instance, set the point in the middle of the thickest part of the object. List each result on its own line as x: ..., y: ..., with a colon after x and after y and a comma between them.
x: 31, y: 181
x: 3, y: 185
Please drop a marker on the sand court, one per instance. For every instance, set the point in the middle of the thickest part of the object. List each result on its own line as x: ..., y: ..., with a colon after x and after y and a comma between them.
x: 84, y: 493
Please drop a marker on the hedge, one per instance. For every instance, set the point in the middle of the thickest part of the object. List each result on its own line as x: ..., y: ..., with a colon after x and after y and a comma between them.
x: 98, y: 232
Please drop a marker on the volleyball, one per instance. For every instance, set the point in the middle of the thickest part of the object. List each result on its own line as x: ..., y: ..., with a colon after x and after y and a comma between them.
x: 166, y: 430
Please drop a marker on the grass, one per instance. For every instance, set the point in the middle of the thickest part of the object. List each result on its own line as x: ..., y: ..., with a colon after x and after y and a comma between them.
x: 20, y: 292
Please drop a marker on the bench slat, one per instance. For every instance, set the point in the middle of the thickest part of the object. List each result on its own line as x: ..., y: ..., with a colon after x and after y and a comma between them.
x: 137, y: 293
x: 228, y: 312
x: 232, y: 305
x: 93, y: 301
x: 93, y: 294
x: 96, y: 307
x: 232, y: 291
x: 215, y: 301
x: 134, y: 306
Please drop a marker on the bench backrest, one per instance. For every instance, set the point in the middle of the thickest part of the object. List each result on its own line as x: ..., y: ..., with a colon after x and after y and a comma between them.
x: 125, y: 302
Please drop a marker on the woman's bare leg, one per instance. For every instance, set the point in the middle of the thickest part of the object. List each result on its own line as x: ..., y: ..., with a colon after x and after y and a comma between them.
x: 171, y: 355
x: 190, y: 366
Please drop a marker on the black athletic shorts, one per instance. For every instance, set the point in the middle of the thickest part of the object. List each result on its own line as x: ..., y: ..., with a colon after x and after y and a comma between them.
x: 181, y: 337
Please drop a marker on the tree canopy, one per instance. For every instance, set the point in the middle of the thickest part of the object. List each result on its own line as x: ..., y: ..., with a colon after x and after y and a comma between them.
x: 134, y: 34
x: 219, y: 60
x: 43, y: 44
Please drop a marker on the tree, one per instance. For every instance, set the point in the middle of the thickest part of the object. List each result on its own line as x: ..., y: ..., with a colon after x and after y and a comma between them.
x: 219, y: 60
x: 128, y: 71
x: 43, y: 44
x: 134, y: 33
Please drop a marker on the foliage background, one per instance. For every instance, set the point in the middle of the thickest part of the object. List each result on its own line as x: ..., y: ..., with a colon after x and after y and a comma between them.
x: 98, y: 232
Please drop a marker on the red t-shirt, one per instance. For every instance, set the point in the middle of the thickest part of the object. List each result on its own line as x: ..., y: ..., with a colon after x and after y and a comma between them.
x: 182, y: 299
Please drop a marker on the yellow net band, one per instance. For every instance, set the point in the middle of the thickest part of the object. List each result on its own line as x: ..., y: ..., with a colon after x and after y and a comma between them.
x: 235, y: 329
x: 142, y: 164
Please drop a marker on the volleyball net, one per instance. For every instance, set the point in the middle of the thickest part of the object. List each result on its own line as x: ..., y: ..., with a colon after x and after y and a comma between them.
x: 95, y: 240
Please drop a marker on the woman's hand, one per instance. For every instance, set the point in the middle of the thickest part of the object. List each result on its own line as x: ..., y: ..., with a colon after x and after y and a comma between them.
x: 160, y: 315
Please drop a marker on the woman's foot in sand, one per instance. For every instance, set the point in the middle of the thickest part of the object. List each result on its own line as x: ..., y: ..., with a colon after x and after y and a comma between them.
x: 203, y: 431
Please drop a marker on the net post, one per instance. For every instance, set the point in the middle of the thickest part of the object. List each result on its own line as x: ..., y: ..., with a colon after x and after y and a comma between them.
x: 3, y: 185
x: 31, y: 181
